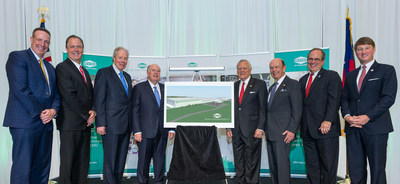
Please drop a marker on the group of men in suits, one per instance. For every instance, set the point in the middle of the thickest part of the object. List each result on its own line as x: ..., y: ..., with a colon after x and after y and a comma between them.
x: 312, y: 105
x: 38, y: 93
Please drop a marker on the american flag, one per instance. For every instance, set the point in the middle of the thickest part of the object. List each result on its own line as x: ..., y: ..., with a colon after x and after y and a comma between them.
x: 47, y: 55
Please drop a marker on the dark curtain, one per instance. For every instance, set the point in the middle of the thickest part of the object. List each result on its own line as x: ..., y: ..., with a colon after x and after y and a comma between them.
x: 196, y: 155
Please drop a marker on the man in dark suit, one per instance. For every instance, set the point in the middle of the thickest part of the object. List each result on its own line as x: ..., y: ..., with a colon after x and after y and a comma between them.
x: 284, y: 113
x: 148, y: 119
x: 320, y: 124
x: 33, y: 101
x: 250, y: 116
x: 113, y: 103
x: 367, y: 95
x: 76, y: 115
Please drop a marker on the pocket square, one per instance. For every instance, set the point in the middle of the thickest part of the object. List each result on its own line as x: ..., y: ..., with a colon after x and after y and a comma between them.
x: 283, y: 90
x: 373, y: 79
x: 251, y: 92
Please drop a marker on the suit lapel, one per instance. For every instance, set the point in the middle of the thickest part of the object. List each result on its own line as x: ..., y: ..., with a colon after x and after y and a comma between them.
x: 36, y: 66
x: 316, y: 80
x: 117, y: 80
x: 249, y: 88
x: 150, y: 91
x: 77, y: 73
x: 129, y: 81
x: 277, y: 92
x: 368, y: 76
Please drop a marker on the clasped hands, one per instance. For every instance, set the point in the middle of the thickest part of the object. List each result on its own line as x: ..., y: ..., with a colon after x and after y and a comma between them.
x: 357, y: 121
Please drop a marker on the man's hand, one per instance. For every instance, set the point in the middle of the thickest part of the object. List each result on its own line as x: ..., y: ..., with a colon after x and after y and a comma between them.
x: 289, y: 136
x: 171, y: 135
x: 101, y: 130
x: 258, y: 134
x: 354, y: 121
x: 325, y: 127
x: 91, y: 118
x: 47, y: 115
x: 138, y: 137
x: 228, y: 134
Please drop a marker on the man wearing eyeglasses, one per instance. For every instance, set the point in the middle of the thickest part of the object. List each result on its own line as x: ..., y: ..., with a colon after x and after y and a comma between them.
x: 320, y: 124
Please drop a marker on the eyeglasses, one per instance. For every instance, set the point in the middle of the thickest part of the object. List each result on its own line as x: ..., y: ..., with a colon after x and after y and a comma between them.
x: 315, y: 59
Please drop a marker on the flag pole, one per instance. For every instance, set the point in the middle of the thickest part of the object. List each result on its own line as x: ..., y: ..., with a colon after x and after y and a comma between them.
x: 347, y: 177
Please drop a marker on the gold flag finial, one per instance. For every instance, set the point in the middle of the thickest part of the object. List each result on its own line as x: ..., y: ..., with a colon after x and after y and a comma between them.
x: 42, y: 10
x: 347, y: 11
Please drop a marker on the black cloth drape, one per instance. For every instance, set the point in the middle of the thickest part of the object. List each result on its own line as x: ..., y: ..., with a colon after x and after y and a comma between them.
x: 196, y: 155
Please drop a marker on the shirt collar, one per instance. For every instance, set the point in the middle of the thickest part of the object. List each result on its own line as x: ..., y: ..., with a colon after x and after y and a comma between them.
x: 116, y: 69
x: 36, y: 56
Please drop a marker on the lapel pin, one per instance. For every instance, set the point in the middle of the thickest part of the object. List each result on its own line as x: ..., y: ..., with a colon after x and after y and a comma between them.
x: 372, y: 70
x: 251, y: 85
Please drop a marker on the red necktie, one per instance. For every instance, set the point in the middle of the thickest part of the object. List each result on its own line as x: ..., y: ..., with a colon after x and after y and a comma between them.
x: 309, y: 84
x: 241, y: 94
x: 362, y: 76
x: 83, y: 75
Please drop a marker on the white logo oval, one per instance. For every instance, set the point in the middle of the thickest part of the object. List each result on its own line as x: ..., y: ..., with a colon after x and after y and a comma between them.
x: 217, y: 115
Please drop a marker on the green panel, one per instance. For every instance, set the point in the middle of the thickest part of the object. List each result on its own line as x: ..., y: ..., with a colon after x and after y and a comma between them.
x: 296, y: 61
x: 93, y: 63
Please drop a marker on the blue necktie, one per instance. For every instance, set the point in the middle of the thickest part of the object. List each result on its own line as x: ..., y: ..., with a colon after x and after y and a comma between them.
x: 271, y: 96
x: 121, y: 77
x: 157, y: 95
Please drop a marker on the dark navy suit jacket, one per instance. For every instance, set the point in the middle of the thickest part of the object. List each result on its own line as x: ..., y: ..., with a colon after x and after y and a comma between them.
x: 377, y: 95
x: 29, y: 92
x: 113, y: 106
x: 148, y: 118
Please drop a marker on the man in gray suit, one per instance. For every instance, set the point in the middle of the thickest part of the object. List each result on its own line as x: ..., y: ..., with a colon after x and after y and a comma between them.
x: 284, y: 112
x: 250, y: 116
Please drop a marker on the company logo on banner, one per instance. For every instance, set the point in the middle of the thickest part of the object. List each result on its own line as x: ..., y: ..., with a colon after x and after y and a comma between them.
x: 93, y: 62
x: 89, y: 64
x: 301, y: 60
x: 192, y: 64
x: 142, y: 65
x: 296, y: 60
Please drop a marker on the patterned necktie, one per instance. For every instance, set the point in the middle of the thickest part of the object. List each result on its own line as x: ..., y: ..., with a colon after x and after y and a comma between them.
x: 309, y: 84
x: 157, y: 95
x: 83, y: 75
x: 272, y: 93
x: 361, y: 79
x: 241, y: 93
x: 44, y: 73
x: 121, y: 77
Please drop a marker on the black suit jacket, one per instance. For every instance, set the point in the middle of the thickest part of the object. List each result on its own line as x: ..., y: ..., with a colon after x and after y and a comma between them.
x: 322, y: 104
x: 76, y: 96
x: 113, y: 105
x: 148, y: 118
x: 377, y: 95
x: 285, y: 111
x: 251, y: 113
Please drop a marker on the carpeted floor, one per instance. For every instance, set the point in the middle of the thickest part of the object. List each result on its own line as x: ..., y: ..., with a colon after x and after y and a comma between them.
x: 263, y: 180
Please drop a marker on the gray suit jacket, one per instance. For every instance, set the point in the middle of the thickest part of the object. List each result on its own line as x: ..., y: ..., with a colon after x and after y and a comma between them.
x: 285, y: 111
